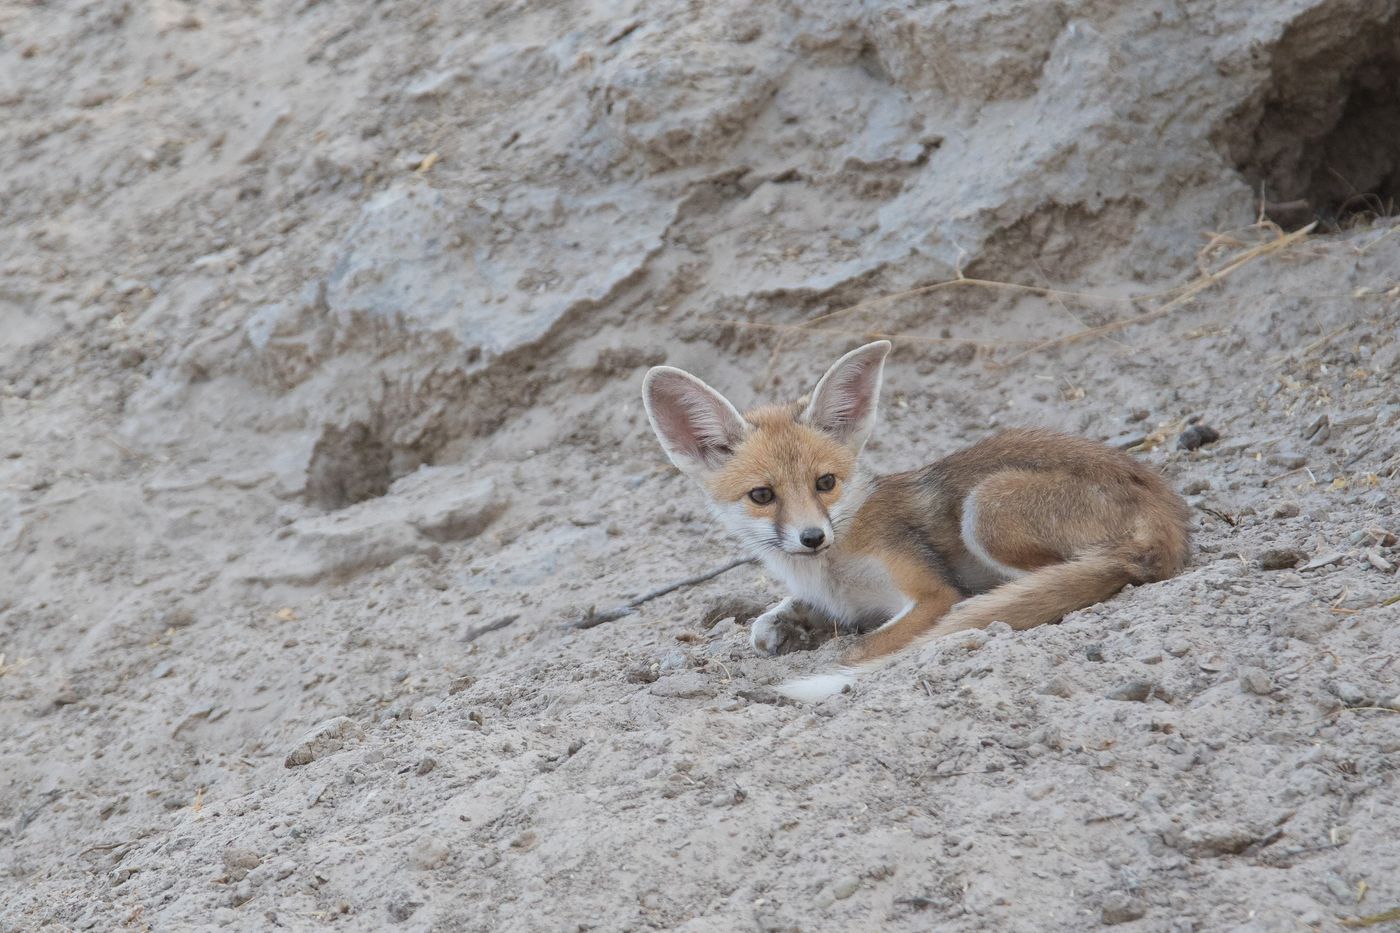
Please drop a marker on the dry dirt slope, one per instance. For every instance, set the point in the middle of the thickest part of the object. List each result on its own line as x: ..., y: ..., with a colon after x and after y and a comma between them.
x: 318, y: 383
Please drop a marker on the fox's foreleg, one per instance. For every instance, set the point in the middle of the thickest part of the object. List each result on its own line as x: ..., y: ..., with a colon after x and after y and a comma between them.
x: 793, y: 625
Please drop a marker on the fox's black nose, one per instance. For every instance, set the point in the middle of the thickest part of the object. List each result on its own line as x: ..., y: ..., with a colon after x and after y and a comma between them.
x: 812, y: 537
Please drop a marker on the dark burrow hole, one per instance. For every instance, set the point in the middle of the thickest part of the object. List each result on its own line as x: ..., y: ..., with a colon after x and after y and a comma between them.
x: 348, y: 465
x: 1325, y: 145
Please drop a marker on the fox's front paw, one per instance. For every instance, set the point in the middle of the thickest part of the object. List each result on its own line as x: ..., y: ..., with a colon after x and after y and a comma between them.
x: 782, y: 629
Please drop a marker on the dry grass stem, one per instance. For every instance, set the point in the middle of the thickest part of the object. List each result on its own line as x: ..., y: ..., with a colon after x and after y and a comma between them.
x: 1172, y: 298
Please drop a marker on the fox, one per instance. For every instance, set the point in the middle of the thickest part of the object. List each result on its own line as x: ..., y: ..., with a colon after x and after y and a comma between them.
x: 1022, y: 527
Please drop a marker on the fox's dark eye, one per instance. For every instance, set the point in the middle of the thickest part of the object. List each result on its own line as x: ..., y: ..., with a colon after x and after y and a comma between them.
x: 826, y: 482
x: 761, y: 495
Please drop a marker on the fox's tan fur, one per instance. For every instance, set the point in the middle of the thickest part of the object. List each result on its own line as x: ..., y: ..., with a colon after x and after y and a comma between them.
x: 1022, y: 527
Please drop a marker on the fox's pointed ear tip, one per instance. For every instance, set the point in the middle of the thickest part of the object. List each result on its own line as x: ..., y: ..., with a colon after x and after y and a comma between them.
x: 660, y: 372
x: 879, y: 348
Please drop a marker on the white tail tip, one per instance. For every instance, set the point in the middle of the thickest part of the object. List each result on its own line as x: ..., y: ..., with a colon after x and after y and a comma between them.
x: 818, y: 686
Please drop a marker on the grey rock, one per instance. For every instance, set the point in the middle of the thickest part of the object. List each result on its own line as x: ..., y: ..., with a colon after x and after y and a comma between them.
x: 258, y: 141
x: 1349, y: 693
x: 1120, y: 907
x: 455, y: 514
x: 337, y: 547
x: 1256, y: 680
x: 431, y: 85
x: 845, y: 887
x: 1288, y: 509
x: 400, y: 907
x: 1216, y: 837
x: 673, y: 660
x: 241, y: 894
x: 328, y: 737
x: 684, y: 687
x: 427, y: 853
x: 238, y: 862
x: 1177, y: 647
x: 1375, y: 559
x: 1138, y: 691
x: 1280, y: 558
x: 1288, y: 459
x: 1323, y: 560
x: 412, y: 260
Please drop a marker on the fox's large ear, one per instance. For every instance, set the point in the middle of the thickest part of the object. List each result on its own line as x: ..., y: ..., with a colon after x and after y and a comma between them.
x: 697, y: 426
x: 844, y: 402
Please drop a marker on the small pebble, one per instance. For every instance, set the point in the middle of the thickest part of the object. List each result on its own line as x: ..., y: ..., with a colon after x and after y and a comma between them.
x: 1280, y: 558
x: 1177, y: 647
x: 1286, y: 510
x: 425, y: 765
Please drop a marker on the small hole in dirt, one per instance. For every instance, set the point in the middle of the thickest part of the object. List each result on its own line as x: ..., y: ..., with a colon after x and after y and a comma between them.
x: 1325, y: 145
x: 348, y: 465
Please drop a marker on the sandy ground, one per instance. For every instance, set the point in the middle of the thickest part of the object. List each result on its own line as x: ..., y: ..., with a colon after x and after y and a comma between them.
x: 323, y: 333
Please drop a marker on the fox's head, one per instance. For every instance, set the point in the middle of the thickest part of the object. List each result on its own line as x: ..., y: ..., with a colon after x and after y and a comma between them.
x: 781, y: 477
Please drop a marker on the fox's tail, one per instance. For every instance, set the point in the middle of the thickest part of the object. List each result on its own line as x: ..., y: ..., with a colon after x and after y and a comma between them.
x: 1044, y: 595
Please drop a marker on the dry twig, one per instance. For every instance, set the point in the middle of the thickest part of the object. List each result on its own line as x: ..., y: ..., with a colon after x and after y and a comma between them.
x: 593, y: 617
x: 1172, y: 298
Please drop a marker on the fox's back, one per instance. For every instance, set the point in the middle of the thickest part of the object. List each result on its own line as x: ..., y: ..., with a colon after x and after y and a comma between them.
x: 921, y: 512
